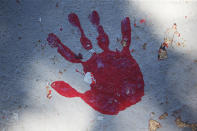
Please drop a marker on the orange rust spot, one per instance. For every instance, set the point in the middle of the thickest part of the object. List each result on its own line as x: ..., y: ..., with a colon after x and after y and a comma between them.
x: 163, y: 116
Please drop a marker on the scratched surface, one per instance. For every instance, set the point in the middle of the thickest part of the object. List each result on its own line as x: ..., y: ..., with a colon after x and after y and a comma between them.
x: 28, y: 64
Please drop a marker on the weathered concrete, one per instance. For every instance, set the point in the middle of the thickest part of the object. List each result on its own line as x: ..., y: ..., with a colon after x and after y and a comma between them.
x: 27, y: 64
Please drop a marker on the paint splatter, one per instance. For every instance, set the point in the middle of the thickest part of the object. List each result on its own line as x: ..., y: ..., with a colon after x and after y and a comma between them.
x: 135, y: 25
x: 142, y: 21
x: 118, y: 82
x: 48, y: 90
x: 172, y: 36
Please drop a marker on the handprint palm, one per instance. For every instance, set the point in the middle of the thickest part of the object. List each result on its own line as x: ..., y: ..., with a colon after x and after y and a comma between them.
x: 118, y: 80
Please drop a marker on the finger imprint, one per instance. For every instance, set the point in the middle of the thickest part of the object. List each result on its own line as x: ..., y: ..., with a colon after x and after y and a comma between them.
x: 54, y: 41
x: 126, y: 33
x: 103, y: 40
x: 74, y: 20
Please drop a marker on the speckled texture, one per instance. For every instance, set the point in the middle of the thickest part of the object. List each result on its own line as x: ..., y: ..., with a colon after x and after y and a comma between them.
x: 27, y: 64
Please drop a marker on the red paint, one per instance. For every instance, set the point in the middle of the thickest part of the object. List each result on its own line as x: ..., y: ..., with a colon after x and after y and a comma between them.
x: 80, y: 72
x: 142, y: 21
x: 74, y: 20
x: 49, y: 94
x: 118, y: 80
x: 135, y: 23
x: 93, y: 79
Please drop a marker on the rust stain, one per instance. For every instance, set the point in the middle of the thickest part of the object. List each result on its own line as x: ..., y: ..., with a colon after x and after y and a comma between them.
x: 60, y: 72
x: 182, y: 124
x: 163, y: 116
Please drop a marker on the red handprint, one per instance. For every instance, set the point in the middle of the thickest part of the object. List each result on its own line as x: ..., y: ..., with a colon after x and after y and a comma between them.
x: 118, y: 80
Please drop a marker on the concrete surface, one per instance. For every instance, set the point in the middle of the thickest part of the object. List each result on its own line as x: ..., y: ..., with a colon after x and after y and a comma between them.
x: 27, y: 64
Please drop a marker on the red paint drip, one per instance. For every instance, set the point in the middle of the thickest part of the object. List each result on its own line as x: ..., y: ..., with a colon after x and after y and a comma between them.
x: 142, y: 21
x: 118, y: 80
